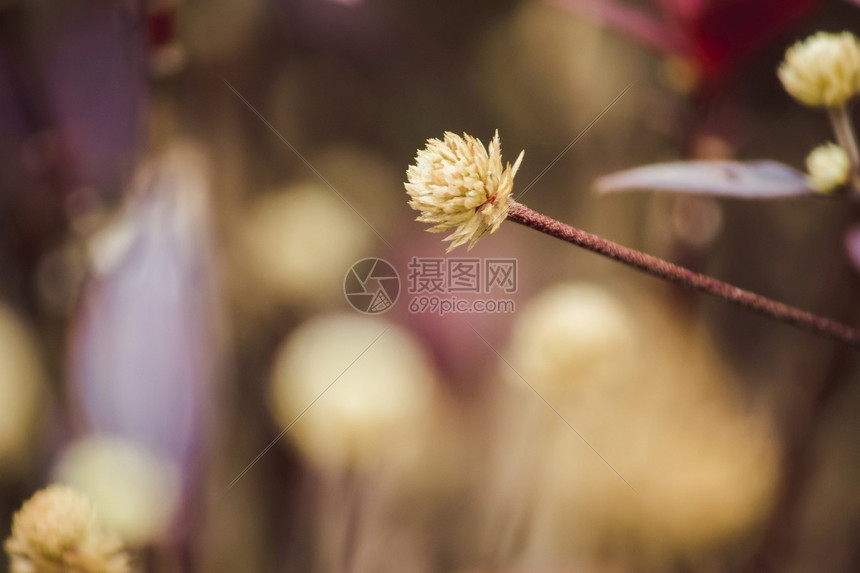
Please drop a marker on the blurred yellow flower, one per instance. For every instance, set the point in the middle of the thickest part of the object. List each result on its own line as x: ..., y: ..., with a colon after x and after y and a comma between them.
x: 574, y: 336
x: 829, y: 167
x: 56, y: 531
x: 668, y: 417
x: 823, y: 70
x: 458, y: 184
x: 370, y: 384
x: 297, y: 241
x: 136, y: 493
x: 22, y: 392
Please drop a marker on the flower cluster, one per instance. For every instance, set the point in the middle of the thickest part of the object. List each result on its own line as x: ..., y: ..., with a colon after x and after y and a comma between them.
x: 458, y: 184
x: 823, y: 70
x: 56, y: 531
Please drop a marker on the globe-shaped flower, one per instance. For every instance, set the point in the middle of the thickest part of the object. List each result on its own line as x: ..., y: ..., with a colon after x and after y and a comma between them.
x: 829, y: 167
x: 457, y: 183
x: 823, y: 70
x: 56, y: 530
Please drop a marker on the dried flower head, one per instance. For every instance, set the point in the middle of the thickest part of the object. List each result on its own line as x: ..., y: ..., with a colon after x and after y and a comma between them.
x: 823, y: 70
x: 829, y: 167
x: 56, y: 531
x: 458, y: 184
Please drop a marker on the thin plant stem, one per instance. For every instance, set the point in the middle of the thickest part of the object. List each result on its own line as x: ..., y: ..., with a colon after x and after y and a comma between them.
x: 665, y: 270
x: 840, y: 119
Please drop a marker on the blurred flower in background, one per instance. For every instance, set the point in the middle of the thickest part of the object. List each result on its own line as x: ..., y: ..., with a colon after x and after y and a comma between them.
x: 135, y: 492
x: 823, y: 70
x: 363, y: 412
x: 651, y: 398
x: 356, y: 396
x: 23, y: 394
x: 575, y: 338
x: 299, y: 241
x: 829, y: 167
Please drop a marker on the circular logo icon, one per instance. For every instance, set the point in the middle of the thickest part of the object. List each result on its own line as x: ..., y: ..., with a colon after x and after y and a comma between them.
x: 371, y: 286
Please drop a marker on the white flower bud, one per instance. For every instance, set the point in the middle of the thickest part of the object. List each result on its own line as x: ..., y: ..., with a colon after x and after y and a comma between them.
x: 829, y: 167
x: 823, y: 70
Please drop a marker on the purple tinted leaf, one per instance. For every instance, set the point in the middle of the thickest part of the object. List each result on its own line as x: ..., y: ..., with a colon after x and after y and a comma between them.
x: 142, y: 347
x: 852, y: 246
x: 750, y: 180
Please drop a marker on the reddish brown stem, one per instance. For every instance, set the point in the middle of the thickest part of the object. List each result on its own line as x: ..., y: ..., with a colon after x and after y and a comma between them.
x: 665, y: 270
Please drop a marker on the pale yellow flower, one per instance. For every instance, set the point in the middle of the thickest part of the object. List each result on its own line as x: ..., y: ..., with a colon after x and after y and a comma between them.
x: 371, y: 413
x: 572, y: 339
x: 823, y: 70
x: 458, y: 184
x: 23, y: 392
x: 829, y: 167
x: 56, y: 531
x: 136, y: 492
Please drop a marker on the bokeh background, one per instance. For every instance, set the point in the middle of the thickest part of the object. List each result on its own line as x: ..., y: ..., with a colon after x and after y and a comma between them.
x: 171, y: 289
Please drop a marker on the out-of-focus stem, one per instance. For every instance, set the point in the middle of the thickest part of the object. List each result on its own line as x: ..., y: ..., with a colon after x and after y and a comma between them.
x: 847, y: 139
x: 813, y: 323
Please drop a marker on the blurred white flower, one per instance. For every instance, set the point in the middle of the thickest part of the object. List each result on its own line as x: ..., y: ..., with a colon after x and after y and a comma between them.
x: 571, y: 337
x: 22, y: 391
x: 458, y: 184
x: 373, y: 404
x: 57, y: 531
x: 829, y: 167
x: 298, y: 243
x: 135, y: 492
x: 823, y: 70
x: 703, y: 467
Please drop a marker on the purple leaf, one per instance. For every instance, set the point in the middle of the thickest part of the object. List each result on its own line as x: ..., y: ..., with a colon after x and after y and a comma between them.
x: 143, y: 346
x: 852, y: 246
x: 750, y: 180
